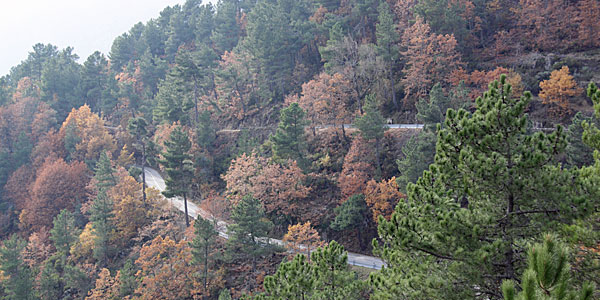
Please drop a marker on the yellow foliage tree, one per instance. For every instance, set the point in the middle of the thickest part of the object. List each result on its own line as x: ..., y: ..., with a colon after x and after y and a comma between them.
x: 130, y: 212
x: 83, y: 248
x: 302, y: 238
x: 382, y: 197
x: 558, y: 90
x: 94, y: 138
x: 125, y: 158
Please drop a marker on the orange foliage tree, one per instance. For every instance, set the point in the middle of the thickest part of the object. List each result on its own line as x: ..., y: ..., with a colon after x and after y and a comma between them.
x: 58, y: 186
x: 27, y: 114
x: 382, y: 197
x: 50, y: 145
x: 279, y: 187
x: 431, y: 59
x: 357, y: 169
x: 38, y: 249
x: 478, y: 81
x: 327, y: 99
x: 302, y: 238
x: 240, y: 174
x: 17, y: 186
x: 94, y: 138
x: 166, y: 271
x: 106, y: 287
x: 545, y: 24
x: 588, y: 22
x: 558, y: 90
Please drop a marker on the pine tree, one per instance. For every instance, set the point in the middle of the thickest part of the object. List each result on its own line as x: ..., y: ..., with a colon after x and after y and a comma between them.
x: 372, y: 127
x: 578, y: 153
x: 202, y: 244
x: 137, y: 127
x: 288, y: 142
x: 352, y: 214
x: 18, y: 284
x: 178, y: 166
x: 65, y: 232
x: 292, y: 280
x: 249, y: 230
x: 205, y: 133
x: 333, y: 279
x: 104, y: 173
x: 387, y: 45
x: 172, y: 104
x: 101, y: 214
x: 467, y: 217
x: 225, y: 295
x: 59, y: 278
x: 547, y: 276
x: 419, y: 151
x: 127, y: 280
x: 227, y: 31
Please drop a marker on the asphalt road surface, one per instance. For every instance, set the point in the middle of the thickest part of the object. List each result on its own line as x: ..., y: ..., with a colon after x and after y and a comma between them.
x: 155, y: 180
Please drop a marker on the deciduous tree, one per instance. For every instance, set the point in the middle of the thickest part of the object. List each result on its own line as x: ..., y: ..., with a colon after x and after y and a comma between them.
x: 431, y: 59
x: 57, y: 187
x: 92, y: 137
x: 357, y: 169
x: 165, y: 270
x: 558, y: 91
x: 382, y: 197
x: 302, y: 238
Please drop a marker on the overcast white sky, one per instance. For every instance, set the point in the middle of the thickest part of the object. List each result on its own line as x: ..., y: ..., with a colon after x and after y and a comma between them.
x: 86, y: 25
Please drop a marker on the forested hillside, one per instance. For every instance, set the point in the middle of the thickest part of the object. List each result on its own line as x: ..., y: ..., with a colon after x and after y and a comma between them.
x: 244, y: 108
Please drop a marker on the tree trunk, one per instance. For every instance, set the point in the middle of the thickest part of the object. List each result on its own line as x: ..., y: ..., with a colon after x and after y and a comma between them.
x: 359, y: 236
x: 195, y: 100
x: 377, y: 158
x: 187, y: 218
x: 205, y: 264
x: 394, y: 100
x: 144, y: 174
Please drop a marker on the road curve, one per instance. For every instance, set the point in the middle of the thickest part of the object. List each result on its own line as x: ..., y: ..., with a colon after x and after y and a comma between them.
x: 155, y: 180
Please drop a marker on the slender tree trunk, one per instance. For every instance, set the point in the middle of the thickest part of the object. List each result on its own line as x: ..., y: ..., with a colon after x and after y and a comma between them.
x: 144, y: 174
x: 332, y: 295
x: 377, y: 158
x: 195, y: 100
x: 509, y: 254
x: 394, y: 100
x: 187, y: 218
x: 205, y: 264
x: 359, y: 236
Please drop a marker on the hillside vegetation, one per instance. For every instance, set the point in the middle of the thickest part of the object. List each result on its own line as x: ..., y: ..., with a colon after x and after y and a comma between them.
x: 241, y: 107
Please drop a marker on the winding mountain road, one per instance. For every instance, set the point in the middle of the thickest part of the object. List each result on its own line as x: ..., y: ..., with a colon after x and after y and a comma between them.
x: 155, y: 180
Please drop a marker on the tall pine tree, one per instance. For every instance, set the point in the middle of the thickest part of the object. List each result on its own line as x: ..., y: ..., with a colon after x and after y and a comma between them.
x: 491, y: 188
x: 288, y: 142
x: 178, y: 166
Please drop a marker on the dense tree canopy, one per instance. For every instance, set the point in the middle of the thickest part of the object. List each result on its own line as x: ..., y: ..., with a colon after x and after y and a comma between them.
x: 282, y: 119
